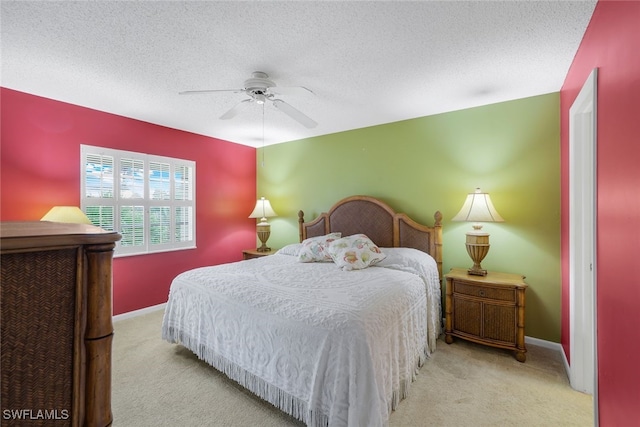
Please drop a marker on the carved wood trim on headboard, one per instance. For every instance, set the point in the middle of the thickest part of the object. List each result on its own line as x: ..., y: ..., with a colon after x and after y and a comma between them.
x: 376, y: 219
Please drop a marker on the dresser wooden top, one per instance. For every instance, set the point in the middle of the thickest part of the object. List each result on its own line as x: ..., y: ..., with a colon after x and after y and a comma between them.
x: 30, y: 234
x: 492, y: 277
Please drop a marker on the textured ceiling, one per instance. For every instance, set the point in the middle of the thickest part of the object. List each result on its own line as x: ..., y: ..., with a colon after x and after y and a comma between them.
x: 368, y: 63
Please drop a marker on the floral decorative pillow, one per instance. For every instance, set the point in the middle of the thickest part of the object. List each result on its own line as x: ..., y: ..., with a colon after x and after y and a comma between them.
x: 355, y: 252
x: 314, y: 249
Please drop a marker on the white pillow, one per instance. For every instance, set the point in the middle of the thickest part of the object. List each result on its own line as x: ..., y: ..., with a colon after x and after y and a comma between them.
x: 355, y: 252
x: 313, y: 249
x: 291, y: 249
x: 410, y: 260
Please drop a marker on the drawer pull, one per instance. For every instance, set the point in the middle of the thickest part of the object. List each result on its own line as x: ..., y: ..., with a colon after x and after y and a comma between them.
x: 481, y: 293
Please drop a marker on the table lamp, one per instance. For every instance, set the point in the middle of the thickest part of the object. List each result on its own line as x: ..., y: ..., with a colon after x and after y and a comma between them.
x: 263, y: 210
x: 71, y: 214
x: 477, y: 208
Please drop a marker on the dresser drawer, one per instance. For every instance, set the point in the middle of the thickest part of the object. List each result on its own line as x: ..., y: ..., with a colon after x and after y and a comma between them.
x: 507, y: 294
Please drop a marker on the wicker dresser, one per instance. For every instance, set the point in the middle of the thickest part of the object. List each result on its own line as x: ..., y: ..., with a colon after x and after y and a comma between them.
x: 56, y: 324
x: 486, y: 309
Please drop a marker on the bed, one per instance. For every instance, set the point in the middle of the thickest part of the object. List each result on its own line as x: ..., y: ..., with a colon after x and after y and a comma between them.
x: 330, y: 342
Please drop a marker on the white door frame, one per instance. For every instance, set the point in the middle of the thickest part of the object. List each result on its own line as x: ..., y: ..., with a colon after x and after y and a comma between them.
x: 582, y: 239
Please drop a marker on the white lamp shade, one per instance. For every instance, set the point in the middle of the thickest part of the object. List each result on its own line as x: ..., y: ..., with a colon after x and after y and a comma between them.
x: 263, y: 209
x: 71, y: 214
x: 478, y: 208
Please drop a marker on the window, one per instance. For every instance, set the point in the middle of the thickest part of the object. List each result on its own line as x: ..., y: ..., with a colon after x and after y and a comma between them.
x: 149, y: 199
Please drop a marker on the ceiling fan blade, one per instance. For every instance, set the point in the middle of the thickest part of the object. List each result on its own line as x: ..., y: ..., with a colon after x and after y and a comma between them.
x: 236, y: 109
x: 295, y: 114
x: 290, y: 90
x: 198, y: 92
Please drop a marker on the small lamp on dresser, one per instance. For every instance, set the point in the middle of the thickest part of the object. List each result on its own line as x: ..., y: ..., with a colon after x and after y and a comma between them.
x: 263, y: 210
x: 478, y: 208
x: 69, y: 214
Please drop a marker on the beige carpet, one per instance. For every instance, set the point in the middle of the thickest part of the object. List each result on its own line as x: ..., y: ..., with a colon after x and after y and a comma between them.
x: 463, y: 384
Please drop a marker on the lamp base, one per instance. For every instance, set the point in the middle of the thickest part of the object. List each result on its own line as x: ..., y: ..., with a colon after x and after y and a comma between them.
x: 264, y: 231
x: 477, y: 248
x: 477, y: 271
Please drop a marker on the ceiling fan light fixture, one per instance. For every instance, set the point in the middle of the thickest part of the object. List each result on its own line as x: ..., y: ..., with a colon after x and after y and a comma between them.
x: 259, y: 81
x: 260, y: 89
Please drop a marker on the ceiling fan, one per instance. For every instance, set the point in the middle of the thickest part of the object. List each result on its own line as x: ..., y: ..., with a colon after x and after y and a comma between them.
x: 261, y: 89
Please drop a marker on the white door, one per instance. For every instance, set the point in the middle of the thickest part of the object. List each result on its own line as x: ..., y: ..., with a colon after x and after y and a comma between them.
x: 582, y: 238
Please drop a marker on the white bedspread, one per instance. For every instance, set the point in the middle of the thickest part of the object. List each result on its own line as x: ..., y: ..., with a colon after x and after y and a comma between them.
x: 329, y: 347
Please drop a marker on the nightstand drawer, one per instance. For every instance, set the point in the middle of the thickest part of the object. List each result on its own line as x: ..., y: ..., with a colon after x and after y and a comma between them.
x: 484, y: 291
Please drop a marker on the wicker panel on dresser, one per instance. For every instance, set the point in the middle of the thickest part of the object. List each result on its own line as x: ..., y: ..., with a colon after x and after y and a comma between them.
x: 486, y: 309
x: 56, y: 325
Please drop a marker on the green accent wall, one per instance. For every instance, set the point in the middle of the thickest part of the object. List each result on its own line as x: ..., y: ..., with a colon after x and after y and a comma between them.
x: 510, y: 150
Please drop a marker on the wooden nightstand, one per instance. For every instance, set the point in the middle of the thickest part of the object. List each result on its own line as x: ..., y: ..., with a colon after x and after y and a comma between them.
x: 486, y: 309
x: 253, y: 253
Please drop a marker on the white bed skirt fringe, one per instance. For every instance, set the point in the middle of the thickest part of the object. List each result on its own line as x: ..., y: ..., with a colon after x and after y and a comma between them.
x: 280, y: 399
x: 403, y: 392
x: 268, y: 392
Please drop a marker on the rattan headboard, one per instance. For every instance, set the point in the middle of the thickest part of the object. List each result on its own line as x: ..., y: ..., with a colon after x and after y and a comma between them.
x: 376, y: 219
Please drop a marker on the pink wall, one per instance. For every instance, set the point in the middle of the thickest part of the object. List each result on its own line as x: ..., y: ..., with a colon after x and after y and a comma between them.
x: 40, y: 161
x: 612, y: 44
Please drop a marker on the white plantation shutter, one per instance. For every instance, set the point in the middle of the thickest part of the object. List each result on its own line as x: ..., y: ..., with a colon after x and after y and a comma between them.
x: 160, y: 225
x: 98, y: 194
x: 149, y: 199
x: 159, y: 181
x: 131, y: 178
x: 98, y: 176
x: 184, y: 223
x: 132, y: 226
x: 102, y: 216
x: 183, y: 178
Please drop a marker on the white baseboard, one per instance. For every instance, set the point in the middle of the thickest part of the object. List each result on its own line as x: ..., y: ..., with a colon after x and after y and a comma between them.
x: 553, y: 346
x: 533, y: 341
x: 543, y: 343
x: 567, y: 368
x: 140, y: 312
